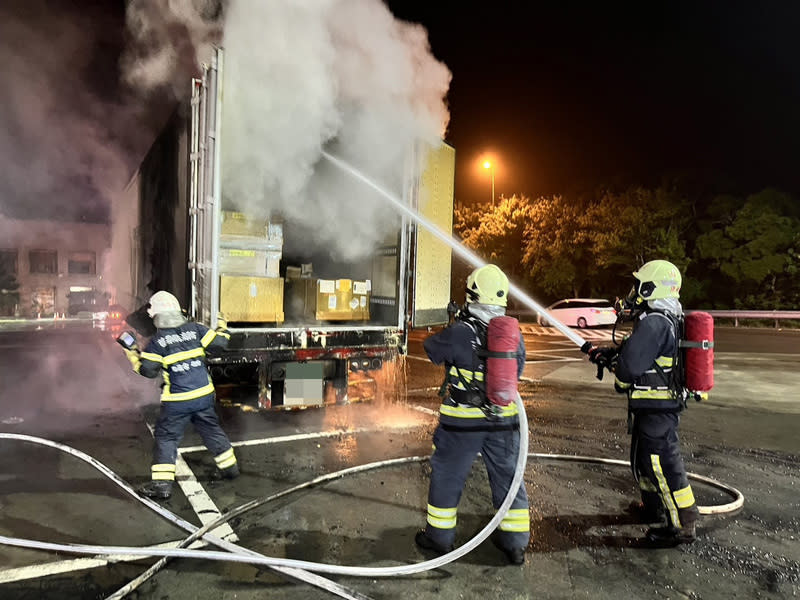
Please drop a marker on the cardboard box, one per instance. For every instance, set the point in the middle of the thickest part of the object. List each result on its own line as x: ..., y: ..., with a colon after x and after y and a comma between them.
x: 261, y: 263
x: 251, y: 299
x: 240, y: 224
x: 342, y: 300
x: 304, y: 271
x: 242, y: 262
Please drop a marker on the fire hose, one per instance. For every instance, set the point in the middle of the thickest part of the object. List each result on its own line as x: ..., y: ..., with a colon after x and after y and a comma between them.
x: 298, y: 569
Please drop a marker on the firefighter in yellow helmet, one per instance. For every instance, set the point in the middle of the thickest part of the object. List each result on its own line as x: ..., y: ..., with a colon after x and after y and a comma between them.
x: 643, y: 368
x: 467, y: 428
x: 177, y: 352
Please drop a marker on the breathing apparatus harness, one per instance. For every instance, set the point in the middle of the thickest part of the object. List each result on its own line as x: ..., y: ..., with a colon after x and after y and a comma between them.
x: 691, y: 375
x: 475, y: 391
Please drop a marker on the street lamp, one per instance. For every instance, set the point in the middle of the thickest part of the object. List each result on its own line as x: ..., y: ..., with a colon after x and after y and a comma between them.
x: 490, y: 166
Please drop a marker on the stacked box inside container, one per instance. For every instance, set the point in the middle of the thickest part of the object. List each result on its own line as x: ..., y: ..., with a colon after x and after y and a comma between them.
x: 251, y: 289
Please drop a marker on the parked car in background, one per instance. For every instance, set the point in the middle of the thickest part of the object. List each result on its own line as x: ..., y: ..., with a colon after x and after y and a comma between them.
x: 111, y: 319
x: 581, y: 312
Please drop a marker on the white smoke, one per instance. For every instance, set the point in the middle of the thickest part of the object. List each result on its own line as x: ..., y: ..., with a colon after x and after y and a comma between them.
x: 169, y: 36
x: 61, y: 144
x: 301, y: 76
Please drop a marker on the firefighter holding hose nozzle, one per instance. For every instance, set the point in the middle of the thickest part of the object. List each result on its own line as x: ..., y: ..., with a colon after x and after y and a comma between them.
x: 178, y: 351
x: 484, y: 355
x: 646, y: 368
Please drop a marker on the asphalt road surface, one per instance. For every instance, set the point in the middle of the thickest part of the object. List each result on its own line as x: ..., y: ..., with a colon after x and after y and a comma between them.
x: 73, y: 386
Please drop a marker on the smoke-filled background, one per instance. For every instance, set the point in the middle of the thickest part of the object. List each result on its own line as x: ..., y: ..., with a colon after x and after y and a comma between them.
x: 69, y: 135
x: 300, y: 76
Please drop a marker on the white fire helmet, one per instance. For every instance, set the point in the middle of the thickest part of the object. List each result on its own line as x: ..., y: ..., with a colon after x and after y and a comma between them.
x: 163, y: 302
x: 487, y: 285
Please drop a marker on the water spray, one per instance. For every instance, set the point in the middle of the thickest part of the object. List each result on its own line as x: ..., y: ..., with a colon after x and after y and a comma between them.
x: 298, y: 569
x: 457, y: 247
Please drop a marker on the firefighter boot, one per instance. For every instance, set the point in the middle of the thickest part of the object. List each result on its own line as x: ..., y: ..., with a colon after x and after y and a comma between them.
x: 515, y: 556
x: 669, y: 536
x: 647, y: 514
x: 423, y: 541
x: 231, y: 472
x: 156, y: 489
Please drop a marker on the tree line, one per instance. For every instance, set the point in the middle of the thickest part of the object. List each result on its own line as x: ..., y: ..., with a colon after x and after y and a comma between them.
x: 734, y: 252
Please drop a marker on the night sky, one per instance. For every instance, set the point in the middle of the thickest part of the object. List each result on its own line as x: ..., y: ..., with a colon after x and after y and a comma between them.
x: 575, y: 95
x: 566, y: 96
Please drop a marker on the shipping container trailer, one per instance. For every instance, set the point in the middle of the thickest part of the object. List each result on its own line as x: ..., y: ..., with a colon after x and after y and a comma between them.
x: 304, y: 324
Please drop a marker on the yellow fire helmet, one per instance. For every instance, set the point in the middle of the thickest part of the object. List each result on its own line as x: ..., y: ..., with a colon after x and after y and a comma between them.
x: 163, y: 302
x: 658, y: 279
x: 487, y: 285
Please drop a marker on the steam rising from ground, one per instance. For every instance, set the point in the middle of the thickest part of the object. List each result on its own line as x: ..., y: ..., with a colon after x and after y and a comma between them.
x: 300, y: 76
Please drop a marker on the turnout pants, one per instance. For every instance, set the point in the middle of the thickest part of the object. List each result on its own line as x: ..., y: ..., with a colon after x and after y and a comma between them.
x: 169, y: 430
x: 658, y: 467
x: 454, y: 453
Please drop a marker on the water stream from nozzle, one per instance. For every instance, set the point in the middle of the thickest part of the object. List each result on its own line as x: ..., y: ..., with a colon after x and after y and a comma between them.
x: 457, y: 247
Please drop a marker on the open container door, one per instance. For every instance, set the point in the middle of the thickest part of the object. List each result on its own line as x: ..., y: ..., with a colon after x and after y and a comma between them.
x: 204, y: 206
x: 432, y: 258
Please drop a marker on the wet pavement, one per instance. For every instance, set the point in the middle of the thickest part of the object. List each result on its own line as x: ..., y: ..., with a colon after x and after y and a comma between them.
x: 584, y: 542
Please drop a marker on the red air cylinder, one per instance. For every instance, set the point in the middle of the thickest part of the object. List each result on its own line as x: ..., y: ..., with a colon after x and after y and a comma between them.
x: 699, y: 344
x: 503, y: 339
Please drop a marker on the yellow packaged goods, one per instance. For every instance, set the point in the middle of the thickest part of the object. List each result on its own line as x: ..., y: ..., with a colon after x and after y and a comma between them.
x: 342, y: 300
x: 243, y: 262
x: 240, y: 224
x: 251, y: 299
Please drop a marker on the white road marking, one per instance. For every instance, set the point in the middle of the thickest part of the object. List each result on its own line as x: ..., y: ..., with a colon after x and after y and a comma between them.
x: 78, y: 564
x: 299, y: 436
x: 196, y: 494
x: 281, y: 439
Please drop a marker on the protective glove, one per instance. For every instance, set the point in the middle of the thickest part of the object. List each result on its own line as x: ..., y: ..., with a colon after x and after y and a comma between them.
x: 222, y: 323
x: 134, y: 358
x: 604, y: 357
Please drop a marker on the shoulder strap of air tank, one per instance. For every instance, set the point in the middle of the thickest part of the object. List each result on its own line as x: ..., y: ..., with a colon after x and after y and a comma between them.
x: 675, y: 381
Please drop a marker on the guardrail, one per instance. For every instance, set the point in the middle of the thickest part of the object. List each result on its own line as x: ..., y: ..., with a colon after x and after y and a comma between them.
x: 776, y: 315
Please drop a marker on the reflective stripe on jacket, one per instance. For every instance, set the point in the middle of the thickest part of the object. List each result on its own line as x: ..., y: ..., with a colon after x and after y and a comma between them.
x: 457, y: 346
x: 652, y: 342
x: 179, y: 354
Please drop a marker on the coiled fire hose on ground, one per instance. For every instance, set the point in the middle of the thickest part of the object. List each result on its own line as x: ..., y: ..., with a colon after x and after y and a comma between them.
x: 298, y: 569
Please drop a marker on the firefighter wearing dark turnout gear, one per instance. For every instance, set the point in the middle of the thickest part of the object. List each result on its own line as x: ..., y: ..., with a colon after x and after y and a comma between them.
x: 178, y: 351
x: 644, y: 371
x: 465, y: 428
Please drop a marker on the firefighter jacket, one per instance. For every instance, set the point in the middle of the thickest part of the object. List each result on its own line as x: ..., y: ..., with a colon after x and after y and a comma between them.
x: 645, y: 365
x: 457, y: 347
x: 179, y: 354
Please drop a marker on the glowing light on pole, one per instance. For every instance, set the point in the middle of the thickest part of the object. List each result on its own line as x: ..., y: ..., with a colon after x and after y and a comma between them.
x: 489, y: 165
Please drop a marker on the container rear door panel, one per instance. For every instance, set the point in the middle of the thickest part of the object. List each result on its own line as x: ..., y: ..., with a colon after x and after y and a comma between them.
x: 433, y: 257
